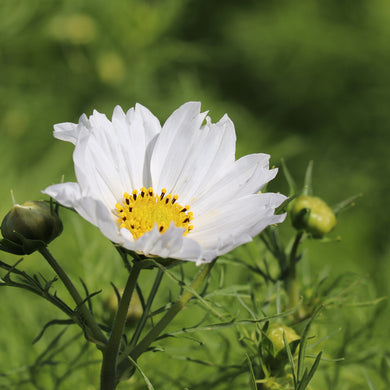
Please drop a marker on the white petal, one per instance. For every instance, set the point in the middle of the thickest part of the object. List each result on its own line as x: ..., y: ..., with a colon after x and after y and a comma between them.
x: 174, y: 144
x: 233, y: 223
x: 171, y: 244
x: 65, y: 193
x: 210, y: 156
x: 95, y: 169
x: 247, y: 176
x: 93, y: 210
x: 70, y: 131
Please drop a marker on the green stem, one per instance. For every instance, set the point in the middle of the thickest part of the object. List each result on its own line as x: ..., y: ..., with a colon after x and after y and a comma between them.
x: 293, y: 292
x: 145, y: 314
x: 87, y: 318
x: 111, y: 351
x: 168, y: 317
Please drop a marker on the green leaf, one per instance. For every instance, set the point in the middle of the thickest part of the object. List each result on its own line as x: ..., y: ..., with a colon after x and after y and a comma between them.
x: 50, y: 323
x: 290, y: 359
x: 312, y: 370
x: 289, y: 178
x: 146, y: 379
x: 302, y: 348
x: 283, y: 207
x: 307, y: 184
x: 252, y: 374
x: 346, y: 204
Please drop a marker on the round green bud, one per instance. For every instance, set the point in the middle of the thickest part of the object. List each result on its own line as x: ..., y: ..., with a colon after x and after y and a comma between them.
x: 31, y: 225
x: 313, y: 215
x: 275, y: 335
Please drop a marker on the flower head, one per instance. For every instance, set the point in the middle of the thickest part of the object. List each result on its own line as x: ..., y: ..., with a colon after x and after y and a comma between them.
x: 172, y: 191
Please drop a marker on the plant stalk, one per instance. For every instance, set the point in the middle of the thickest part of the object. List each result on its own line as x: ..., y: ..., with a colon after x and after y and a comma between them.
x: 144, y: 344
x: 110, y: 353
x: 293, y: 292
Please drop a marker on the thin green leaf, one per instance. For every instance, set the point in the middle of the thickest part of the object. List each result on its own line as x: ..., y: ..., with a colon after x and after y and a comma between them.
x: 335, y: 360
x: 346, y: 204
x: 50, y: 323
x: 228, y: 324
x: 289, y: 179
x: 370, y: 383
x: 307, y: 185
x: 290, y: 359
x: 313, y: 368
x: 303, y: 382
x: 188, y: 288
x: 302, y: 347
x: 283, y: 207
x: 146, y: 379
x: 252, y: 374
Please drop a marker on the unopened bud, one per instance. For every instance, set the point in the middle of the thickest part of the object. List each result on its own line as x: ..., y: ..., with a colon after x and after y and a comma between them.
x: 275, y: 335
x: 313, y: 215
x: 30, y: 226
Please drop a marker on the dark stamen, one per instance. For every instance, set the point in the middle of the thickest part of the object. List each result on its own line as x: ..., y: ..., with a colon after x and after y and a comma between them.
x: 127, y: 201
x: 186, y: 220
x: 161, y: 228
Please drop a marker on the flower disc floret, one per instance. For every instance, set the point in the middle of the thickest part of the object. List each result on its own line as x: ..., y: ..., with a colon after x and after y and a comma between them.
x: 139, y: 212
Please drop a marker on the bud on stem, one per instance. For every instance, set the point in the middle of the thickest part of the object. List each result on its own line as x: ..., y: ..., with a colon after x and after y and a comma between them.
x: 313, y: 215
x: 29, y: 226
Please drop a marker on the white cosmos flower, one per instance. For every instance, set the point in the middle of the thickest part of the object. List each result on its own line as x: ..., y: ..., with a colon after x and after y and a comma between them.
x: 174, y: 191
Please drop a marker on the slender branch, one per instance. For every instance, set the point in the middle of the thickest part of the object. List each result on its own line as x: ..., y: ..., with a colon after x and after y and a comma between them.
x: 145, y: 314
x: 95, y: 332
x: 168, y: 317
x: 111, y: 351
x: 293, y: 292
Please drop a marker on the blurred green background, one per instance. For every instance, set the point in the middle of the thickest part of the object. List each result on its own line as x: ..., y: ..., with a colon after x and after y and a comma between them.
x: 302, y: 80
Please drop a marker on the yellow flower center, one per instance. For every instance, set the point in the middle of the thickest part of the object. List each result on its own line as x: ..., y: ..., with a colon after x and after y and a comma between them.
x: 140, y: 211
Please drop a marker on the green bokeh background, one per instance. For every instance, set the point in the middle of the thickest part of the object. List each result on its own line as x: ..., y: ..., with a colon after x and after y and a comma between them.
x: 302, y: 80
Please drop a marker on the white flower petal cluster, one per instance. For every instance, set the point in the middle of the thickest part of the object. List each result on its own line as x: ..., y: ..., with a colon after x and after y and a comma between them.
x: 188, y: 156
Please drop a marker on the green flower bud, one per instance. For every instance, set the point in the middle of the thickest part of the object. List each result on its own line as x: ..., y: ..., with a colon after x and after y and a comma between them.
x: 313, y: 215
x: 29, y: 226
x: 275, y: 335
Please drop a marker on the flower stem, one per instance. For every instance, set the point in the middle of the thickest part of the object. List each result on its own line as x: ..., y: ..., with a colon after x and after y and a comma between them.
x: 293, y: 293
x: 168, y: 317
x: 111, y: 351
x: 145, y: 314
x: 87, y: 318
